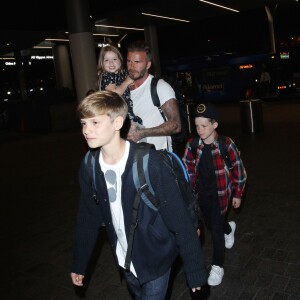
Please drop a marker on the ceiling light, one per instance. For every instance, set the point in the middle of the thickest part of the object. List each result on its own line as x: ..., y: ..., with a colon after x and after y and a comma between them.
x: 118, y: 27
x: 218, y: 5
x: 163, y: 17
x: 42, y: 47
x: 57, y: 40
x: 104, y: 34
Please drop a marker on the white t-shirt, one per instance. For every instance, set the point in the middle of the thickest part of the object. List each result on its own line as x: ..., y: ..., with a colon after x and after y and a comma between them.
x: 116, y: 206
x: 144, y: 108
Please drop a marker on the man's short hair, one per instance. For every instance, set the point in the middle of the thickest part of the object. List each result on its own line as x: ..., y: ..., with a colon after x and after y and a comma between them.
x: 140, y: 46
x: 102, y: 103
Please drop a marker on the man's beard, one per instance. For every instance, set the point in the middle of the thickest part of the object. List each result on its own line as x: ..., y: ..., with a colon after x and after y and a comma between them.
x: 141, y: 74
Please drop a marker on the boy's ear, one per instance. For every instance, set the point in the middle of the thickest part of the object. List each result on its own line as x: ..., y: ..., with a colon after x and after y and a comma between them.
x: 119, y: 121
x: 215, y: 125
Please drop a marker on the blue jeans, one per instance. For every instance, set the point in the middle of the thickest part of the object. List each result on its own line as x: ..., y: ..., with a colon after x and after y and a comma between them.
x: 152, y: 290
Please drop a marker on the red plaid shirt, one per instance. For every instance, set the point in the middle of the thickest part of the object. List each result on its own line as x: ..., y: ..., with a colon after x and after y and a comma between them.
x: 229, y: 183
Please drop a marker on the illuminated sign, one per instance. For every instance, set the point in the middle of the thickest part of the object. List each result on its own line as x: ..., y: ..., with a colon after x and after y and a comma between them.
x: 284, y: 55
x: 281, y: 87
x: 248, y: 66
x: 39, y: 57
x: 100, y: 45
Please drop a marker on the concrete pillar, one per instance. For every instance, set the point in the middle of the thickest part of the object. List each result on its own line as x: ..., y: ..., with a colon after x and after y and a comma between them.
x: 82, y: 46
x: 271, y: 30
x: 151, y: 39
x: 62, y: 67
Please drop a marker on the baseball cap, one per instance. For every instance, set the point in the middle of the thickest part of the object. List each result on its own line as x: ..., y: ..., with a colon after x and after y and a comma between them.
x: 206, y: 110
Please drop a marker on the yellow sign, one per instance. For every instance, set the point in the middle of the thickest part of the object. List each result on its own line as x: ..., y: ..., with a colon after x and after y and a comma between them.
x: 248, y: 66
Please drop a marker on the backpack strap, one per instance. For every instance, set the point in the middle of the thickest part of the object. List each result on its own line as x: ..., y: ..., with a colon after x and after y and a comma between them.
x: 156, y: 101
x: 173, y: 156
x: 155, y: 97
x: 144, y: 191
x: 141, y: 175
x: 154, y: 94
x: 194, y: 144
x: 134, y: 223
x: 89, y: 161
x: 224, y: 151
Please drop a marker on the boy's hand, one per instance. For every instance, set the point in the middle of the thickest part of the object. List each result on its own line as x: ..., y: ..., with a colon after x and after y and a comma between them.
x: 196, y: 289
x: 236, y: 202
x: 77, y: 279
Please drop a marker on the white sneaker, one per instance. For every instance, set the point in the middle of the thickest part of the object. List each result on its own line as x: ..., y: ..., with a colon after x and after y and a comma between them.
x: 215, y: 276
x: 229, y: 238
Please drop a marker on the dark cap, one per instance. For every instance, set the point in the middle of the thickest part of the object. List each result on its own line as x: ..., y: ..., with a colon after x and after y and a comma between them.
x: 206, y: 110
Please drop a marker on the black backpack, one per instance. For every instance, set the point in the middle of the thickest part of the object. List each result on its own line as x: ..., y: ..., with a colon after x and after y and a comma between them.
x: 182, y: 136
x: 146, y: 193
x: 223, y: 149
x: 177, y: 171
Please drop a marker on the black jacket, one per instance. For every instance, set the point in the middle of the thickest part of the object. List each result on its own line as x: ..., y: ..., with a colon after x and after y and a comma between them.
x: 159, y: 235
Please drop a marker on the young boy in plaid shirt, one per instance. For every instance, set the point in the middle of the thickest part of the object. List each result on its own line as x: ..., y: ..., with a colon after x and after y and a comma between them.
x: 217, y: 186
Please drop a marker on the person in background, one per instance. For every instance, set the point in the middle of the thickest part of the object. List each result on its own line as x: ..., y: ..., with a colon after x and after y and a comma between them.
x: 156, y: 131
x: 265, y: 82
x: 215, y: 184
x: 114, y: 77
x: 158, y: 236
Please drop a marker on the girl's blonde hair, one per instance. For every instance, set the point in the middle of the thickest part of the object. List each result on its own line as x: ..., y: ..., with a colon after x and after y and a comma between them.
x: 102, y: 103
x: 104, y: 50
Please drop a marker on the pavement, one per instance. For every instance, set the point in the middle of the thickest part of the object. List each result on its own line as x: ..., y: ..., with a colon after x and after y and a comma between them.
x: 39, y: 198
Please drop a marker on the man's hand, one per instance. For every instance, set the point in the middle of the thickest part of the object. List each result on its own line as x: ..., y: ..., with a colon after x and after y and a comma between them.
x: 135, y: 133
x: 196, y: 289
x: 77, y: 279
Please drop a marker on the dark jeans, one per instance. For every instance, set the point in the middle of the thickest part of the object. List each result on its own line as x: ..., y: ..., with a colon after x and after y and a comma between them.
x: 152, y: 290
x: 217, y: 224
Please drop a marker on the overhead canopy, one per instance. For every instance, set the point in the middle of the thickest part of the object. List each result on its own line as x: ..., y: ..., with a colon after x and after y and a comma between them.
x: 26, y: 23
x: 130, y: 14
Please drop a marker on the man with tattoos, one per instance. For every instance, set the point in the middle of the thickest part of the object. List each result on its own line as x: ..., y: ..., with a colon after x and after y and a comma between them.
x: 154, y: 130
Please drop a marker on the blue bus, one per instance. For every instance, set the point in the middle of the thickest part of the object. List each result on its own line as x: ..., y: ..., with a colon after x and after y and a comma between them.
x: 230, y: 78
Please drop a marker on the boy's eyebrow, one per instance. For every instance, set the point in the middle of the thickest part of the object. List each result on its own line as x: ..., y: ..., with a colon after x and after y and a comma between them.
x: 94, y: 117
